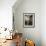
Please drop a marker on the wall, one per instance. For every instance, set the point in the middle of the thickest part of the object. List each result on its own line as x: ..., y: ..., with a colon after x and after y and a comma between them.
x: 6, y: 16
x: 43, y: 22
x: 28, y: 6
x: 6, y: 13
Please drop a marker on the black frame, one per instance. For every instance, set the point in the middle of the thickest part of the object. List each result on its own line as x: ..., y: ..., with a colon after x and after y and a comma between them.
x: 33, y: 18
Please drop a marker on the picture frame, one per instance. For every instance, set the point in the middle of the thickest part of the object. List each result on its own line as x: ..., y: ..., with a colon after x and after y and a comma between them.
x: 29, y: 20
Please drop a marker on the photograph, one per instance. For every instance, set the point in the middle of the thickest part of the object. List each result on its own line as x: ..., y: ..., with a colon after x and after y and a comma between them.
x: 29, y: 19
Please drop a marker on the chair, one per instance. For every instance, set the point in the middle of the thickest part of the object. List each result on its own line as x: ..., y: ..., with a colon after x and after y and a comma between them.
x: 29, y: 43
x: 18, y: 39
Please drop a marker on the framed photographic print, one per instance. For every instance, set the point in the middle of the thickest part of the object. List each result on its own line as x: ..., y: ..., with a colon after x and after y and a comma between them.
x: 29, y: 20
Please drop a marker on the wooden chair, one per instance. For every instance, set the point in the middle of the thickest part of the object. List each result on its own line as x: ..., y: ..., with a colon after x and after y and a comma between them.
x: 18, y: 39
x: 29, y: 43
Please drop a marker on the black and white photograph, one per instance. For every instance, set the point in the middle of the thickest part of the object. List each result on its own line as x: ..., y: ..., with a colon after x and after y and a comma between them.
x: 29, y: 19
